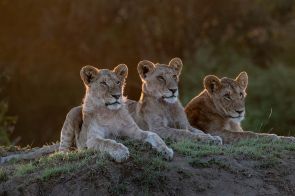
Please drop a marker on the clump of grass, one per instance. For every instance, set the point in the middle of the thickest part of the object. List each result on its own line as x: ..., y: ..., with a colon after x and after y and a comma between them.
x: 23, y: 169
x: 101, y: 160
x: 64, y: 169
x: 193, y: 149
x: 63, y: 163
x: 3, y: 175
x: 65, y: 157
x: 118, y: 189
x: 257, y: 149
x: 199, y: 163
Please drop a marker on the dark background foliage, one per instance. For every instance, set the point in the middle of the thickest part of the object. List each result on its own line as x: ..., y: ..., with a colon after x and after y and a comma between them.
x: 43, y: 45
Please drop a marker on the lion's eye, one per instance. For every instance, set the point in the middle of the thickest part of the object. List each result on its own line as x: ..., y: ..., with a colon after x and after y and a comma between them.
x: 103, y: 83
x: 174, y: 77
x: 241, y: 95
x: 161, y: 78
x: 118, y: 82
x: 227, y: 96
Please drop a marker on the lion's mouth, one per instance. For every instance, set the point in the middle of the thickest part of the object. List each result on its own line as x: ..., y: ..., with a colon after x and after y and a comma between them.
x: 169, y: 97
x: 236, y: 117
x: 113, y: 103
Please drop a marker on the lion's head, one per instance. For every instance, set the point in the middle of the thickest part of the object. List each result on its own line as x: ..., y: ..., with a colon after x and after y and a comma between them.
x: 105, y: 87
x: 160, y: 80
x: 228, y: 95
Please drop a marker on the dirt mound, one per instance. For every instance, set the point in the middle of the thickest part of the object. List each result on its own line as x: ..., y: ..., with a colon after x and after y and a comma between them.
x: 252, y: 167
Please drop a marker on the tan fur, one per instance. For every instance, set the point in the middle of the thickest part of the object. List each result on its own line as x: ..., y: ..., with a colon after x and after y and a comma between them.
x: 104, y: 116
x: 159, y: 109
x: 220, y: 108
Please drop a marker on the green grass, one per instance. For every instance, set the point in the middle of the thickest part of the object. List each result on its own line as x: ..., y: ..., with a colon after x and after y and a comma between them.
x: 199, y: 163
x: 64, y: 169
x: 24, y: 169
x: 264, y: 150
x: 3, y: 175
x: 63, y: 163
x: 118, y: 189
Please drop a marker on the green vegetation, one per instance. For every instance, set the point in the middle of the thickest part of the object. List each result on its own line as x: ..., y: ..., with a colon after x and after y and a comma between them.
x: 118, y: 189
x: 265, y: 151
x: 3, y: 175
x: 64, y: 169
x: 7, y: 122
x: 61, y: 163
x: 24, y: 169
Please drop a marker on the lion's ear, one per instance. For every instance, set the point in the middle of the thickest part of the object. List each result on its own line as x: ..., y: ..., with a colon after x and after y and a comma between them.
x: 121, y: 71
x: 88, y: 74
x: 176, y: 63
x: 242, y: 80
x: 145, y: 67
x: 211, y: 83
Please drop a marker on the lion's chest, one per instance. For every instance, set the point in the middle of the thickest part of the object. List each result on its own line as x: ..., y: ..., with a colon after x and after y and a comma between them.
x: 166, y: 116
x: 110, y: 125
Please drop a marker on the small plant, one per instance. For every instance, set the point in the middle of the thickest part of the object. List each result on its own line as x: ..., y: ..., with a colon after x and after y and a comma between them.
x: 63, y: 163
x: 3, y: 175
x: 25, y: 169
x: 118, y: 189
x: 54, y: 171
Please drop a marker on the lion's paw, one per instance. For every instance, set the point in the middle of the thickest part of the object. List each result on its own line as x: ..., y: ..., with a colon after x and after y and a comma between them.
x: 168, y: 153
x: 120, y: 153
x: 217, y: 140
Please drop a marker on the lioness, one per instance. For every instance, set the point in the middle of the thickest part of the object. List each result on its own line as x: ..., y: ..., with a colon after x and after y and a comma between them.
x: 220, y: 108
x: 104, y: 115
x: 159, y: 109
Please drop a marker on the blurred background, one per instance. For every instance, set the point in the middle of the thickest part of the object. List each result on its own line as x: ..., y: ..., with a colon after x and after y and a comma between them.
x: 44, y: 44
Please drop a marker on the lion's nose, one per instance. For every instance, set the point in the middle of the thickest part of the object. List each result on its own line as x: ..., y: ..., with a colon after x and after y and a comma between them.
x: 117, y: 96
x: 173, y: 90
x: 239, y: 111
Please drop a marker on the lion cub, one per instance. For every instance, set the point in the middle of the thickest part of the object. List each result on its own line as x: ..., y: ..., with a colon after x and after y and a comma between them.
x: 159, y: 109
x: 220, y: 108
x: 104, y: 116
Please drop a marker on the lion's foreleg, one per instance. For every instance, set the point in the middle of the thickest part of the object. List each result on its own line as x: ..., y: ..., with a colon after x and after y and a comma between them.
x: 70, y: 127
x: 156, y: 142
x: 117, y: 151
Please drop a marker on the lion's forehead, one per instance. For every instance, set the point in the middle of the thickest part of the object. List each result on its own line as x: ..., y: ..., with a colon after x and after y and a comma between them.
x: 107, y: 75
x: 230, y: 85
x: 164, y: 69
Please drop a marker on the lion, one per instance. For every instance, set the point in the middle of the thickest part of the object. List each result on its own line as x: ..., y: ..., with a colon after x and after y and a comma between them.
x: 220, y: 108
x: 105, y: 116
x: 159, y: 109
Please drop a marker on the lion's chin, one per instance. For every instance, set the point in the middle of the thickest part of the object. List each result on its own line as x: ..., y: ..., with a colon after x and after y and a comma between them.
x: 171, y: 100
x: 238, y: 119
x: 115, y: 106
